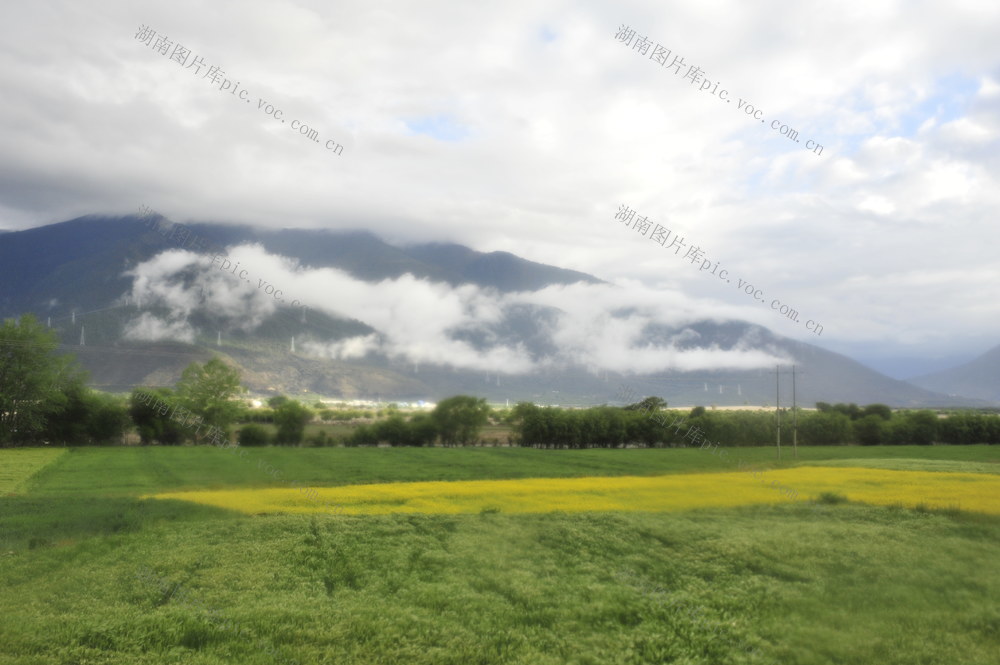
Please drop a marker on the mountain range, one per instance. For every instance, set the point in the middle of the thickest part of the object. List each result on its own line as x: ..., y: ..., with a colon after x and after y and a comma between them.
x: 135, y: 309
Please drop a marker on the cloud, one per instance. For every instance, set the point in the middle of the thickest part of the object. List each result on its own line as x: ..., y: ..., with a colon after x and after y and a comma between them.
x: 522, y: 126
x: 427, y: 322
x: 147, y: 327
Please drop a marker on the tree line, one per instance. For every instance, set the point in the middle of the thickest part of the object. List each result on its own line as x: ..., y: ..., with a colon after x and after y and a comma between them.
x: 44, y: 399
x: 649, y: 424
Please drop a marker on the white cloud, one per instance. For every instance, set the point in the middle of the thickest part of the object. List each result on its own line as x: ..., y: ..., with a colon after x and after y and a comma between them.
x: 416, y: 319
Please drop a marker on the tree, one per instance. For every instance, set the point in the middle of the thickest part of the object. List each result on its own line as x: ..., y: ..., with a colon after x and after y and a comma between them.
x: 276, y: 401
x: 870, y: 430
x: 912, y: 427
x: 852, y: 410
x: 883, y: 411
x: 460, y: 418
x: 209, y: 391
x: 829, y: 428
x: 81, y: 416
x: 31, y: 378
x: 392, y: 430
x: 922, y: 427
x: 423, y: 431
x: 151, y: 421
x: 363, y: 435
x: 651, y: 403
x: 291, y: 418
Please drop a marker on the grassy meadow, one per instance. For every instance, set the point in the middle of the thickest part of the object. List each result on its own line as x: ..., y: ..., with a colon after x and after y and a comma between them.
x: 499, y: 555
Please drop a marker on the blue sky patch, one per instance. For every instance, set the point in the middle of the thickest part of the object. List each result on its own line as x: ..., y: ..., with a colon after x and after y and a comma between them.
x: 442, y: 127
x: 949, y: 101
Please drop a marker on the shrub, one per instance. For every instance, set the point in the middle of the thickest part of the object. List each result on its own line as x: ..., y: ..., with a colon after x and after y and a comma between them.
x: 254, y: 435
x: 831, y: 498
x: 151, y: 424
x: 363, y: 435
x: 291, y: 418
x: 320, y: 438
x: 81, y: 416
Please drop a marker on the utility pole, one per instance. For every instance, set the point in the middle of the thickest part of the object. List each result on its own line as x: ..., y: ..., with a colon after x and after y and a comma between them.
x: 777, y: 403
x: 795, y: 420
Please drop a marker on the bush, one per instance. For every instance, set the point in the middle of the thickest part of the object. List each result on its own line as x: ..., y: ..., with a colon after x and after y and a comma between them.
x: 363, y: 435
x: 262, y: 415
x: 422, y: 430
x: 832, y: 498
x: 81, y: 416
x: 151, y: 424
x: 291, y: 418
x: 320, y: 438
x: 254, y: 435
x: 392, y: 430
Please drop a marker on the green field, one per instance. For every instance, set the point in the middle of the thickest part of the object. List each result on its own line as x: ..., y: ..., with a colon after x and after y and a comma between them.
x: 90, y: 573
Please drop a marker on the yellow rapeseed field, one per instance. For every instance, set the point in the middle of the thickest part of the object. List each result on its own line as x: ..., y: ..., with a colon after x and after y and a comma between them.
x: 967, y: 491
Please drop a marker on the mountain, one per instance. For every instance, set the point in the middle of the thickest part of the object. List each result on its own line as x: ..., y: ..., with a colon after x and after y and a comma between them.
x: 978, y: 378
x: 82, y: 260
x: 907, y: 367
x: 72, y: 275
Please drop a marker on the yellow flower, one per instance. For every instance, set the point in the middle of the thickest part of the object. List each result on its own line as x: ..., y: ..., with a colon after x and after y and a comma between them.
x: 968, y: 491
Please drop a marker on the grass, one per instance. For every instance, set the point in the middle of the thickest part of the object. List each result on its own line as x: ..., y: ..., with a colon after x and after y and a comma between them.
x: 94, y: 574
x: 21, y: 464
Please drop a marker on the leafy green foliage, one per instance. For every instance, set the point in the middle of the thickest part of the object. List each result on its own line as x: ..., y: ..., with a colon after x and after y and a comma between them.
x: 32, y: 379
x: 420, y: 430
x: 276, y: 401
x: 828, y: 428
x: 831, y: 498
x: 210, y: 391
x: 81, y: 416
x: 651, y: 403
x: 460, y: 418
x: 912, y: 427
x: 291, y: 418
x: 870, y: 430
x: 254, y: 435
x: 883, y: 411
x: 152, y: 421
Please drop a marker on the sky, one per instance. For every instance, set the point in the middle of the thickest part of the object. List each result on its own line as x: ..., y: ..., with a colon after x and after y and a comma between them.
x: 529, y: 126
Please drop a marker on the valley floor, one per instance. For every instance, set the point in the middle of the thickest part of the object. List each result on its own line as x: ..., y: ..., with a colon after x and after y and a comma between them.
x: 499, y: 556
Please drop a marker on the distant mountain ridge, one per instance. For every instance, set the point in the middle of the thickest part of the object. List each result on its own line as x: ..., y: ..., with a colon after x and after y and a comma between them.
x: 36, y: 263
x: 78, y: 265
x: 979, y: 378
